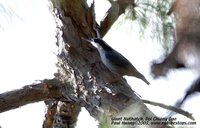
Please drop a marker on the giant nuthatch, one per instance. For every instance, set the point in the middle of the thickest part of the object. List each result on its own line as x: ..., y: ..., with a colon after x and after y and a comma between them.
x: 115, y: 61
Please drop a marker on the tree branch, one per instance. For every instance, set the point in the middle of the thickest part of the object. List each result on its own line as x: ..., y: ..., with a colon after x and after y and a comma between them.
x: 30, y: 94
x: 172, y: 108
x: 117, y: 8
x: 50, y: 113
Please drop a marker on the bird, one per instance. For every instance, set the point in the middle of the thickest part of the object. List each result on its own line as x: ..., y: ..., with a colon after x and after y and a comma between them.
x: 115, y: 61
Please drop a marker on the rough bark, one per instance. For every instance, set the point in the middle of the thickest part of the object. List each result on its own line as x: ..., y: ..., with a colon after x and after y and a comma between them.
x: 50, y: 113
x: 95, y: 87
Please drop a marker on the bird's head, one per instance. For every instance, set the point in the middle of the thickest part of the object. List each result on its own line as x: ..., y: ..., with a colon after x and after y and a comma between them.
x: 99, y: 44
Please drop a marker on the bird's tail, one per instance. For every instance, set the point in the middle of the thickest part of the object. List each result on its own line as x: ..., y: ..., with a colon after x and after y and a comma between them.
x: 140, y: 76
x: 145, y: 80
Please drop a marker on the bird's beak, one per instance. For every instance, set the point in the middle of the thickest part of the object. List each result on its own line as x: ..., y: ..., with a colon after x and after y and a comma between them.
x: 91, y: 41
x: 87, y: 40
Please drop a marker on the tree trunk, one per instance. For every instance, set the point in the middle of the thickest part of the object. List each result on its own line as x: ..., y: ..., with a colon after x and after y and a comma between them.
x: 102, y: 93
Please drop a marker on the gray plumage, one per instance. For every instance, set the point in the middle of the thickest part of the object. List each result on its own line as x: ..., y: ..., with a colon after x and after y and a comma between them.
x: 115, y: 61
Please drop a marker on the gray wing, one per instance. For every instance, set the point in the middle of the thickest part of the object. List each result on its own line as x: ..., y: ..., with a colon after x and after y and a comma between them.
x: 126, y: 67
x: 117, y: 59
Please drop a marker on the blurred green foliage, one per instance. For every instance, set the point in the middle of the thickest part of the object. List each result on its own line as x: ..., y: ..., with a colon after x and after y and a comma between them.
x: 151, y: 15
